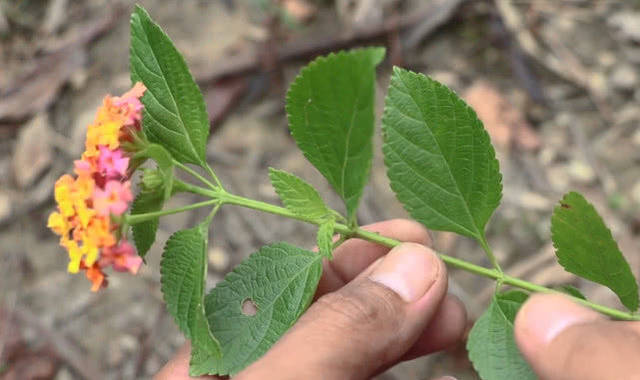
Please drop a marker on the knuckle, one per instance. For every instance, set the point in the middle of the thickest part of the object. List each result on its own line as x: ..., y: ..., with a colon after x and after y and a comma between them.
x: 369, y: 307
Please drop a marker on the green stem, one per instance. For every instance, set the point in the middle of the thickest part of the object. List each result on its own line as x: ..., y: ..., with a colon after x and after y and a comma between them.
x: 195, y: 174
x: 213, y: 213
x: 489, y: 252
x: 499, y: 276
x: 493, y: 273
x: 213, y: 175
x: 139, y: 218
x: 339, y: 242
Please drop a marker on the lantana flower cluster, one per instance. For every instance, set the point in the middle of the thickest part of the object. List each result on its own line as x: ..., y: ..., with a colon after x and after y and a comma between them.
x: 90, y: 202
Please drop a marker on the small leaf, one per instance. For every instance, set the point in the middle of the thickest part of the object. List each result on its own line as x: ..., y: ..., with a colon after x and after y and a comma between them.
x: 331, y: 116
x: 144, y: 234
x: 491, y: 345
x: 297, y: 195
x: 439, y: 158
x: 174, y: 111
x: 165, y: 165
x: 325, y: 238
x: 183, y: 272
x: 572, y: 291
x: 280, y: 281
x: 585, y: 247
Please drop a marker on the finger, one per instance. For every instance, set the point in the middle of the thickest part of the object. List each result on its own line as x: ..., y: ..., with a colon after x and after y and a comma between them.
x: 178, y: 367
x: 354, y: 255
x: 444, y: 331
x: 366, y: 325
x: 562, y: 340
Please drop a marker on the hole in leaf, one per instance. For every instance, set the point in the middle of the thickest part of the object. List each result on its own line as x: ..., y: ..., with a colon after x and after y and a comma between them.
x: 249, y: 308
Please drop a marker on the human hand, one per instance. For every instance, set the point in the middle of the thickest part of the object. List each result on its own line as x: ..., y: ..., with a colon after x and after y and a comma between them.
x: 374, y: 308
x: 564, y: 341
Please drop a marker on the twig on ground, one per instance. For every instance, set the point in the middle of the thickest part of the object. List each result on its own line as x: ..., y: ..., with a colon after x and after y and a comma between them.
x: 249, y: 63
x: 561, y: 61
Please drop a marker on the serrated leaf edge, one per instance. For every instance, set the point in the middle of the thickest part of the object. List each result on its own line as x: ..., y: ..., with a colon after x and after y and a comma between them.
x: 477, y: 234
x: 140, y: 12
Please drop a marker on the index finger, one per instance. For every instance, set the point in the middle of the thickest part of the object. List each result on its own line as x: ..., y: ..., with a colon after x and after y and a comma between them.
x: 355, y: 255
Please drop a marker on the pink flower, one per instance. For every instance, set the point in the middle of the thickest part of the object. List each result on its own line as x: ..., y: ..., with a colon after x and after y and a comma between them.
x: 111, y: 163
x: 130, y: 103
x: 114, y: 199
x: 123, y: 257
x: 82, y: 168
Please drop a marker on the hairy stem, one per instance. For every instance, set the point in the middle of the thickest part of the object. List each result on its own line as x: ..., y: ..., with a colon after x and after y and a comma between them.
x: 495, y: 273
x: 214, y: 176
x: 196, y: 174
x: 487, y: 249
x: 139, y: 218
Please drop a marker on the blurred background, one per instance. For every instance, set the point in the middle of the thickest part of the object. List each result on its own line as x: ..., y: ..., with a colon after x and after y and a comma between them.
x: 556, y: 83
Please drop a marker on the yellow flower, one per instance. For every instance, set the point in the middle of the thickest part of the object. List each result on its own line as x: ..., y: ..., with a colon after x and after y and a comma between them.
x: 58, y: 224
x: 62, y: 194
x: 75, y: 256
x: 84, y: 213
x: 90, y: 252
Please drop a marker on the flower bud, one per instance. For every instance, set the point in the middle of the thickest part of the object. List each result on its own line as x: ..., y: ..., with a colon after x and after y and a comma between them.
x: 152, y: 179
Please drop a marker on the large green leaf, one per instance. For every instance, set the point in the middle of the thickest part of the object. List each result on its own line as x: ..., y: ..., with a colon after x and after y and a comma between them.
x: 144, y: 234
x: 491, y: 345
x: 331, y: 116
x: 280, y: 280
x: 174, y: 110
x: 439, y: 158
x: 297, y: 195
x: 585, y: 247
x: 183, y: 272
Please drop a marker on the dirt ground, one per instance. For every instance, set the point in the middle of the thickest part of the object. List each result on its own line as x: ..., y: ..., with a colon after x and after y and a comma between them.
x: 555, y: 82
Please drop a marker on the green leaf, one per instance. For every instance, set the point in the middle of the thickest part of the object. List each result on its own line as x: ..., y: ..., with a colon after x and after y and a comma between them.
x: 572, y: 291
x: 491, y: 345
x: 165, y: 165
x: 174, y: 110
x: 325, y: 238
x: 280, y: 280
x: 585, y: 247
x: 144, y: 234
x: 297, y: 195
x: 183, y: 272
x: 331, y: 116
x: 439, y: 158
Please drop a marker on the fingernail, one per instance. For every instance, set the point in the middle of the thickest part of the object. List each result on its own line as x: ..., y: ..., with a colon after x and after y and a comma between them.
x: 546, y: 316
x: 409, y: 270
x: 447, y: 378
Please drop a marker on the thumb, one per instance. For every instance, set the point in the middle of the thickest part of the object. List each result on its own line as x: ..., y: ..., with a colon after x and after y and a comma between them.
x: 365, y: 326
x: 562, y: 340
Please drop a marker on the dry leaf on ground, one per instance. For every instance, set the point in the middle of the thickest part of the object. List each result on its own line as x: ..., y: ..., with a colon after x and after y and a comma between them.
x: 503, y: 121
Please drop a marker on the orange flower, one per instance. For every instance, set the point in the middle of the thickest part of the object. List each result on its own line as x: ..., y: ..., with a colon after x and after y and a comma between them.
x: 101, y: 189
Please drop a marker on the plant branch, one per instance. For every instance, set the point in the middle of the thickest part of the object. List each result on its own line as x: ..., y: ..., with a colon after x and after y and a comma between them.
x: 357, y: 232
x: 195, y: 174
x: 139, y: 218
x: 213, y: 175
x: 489, y: 252
x: 499, y: 276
